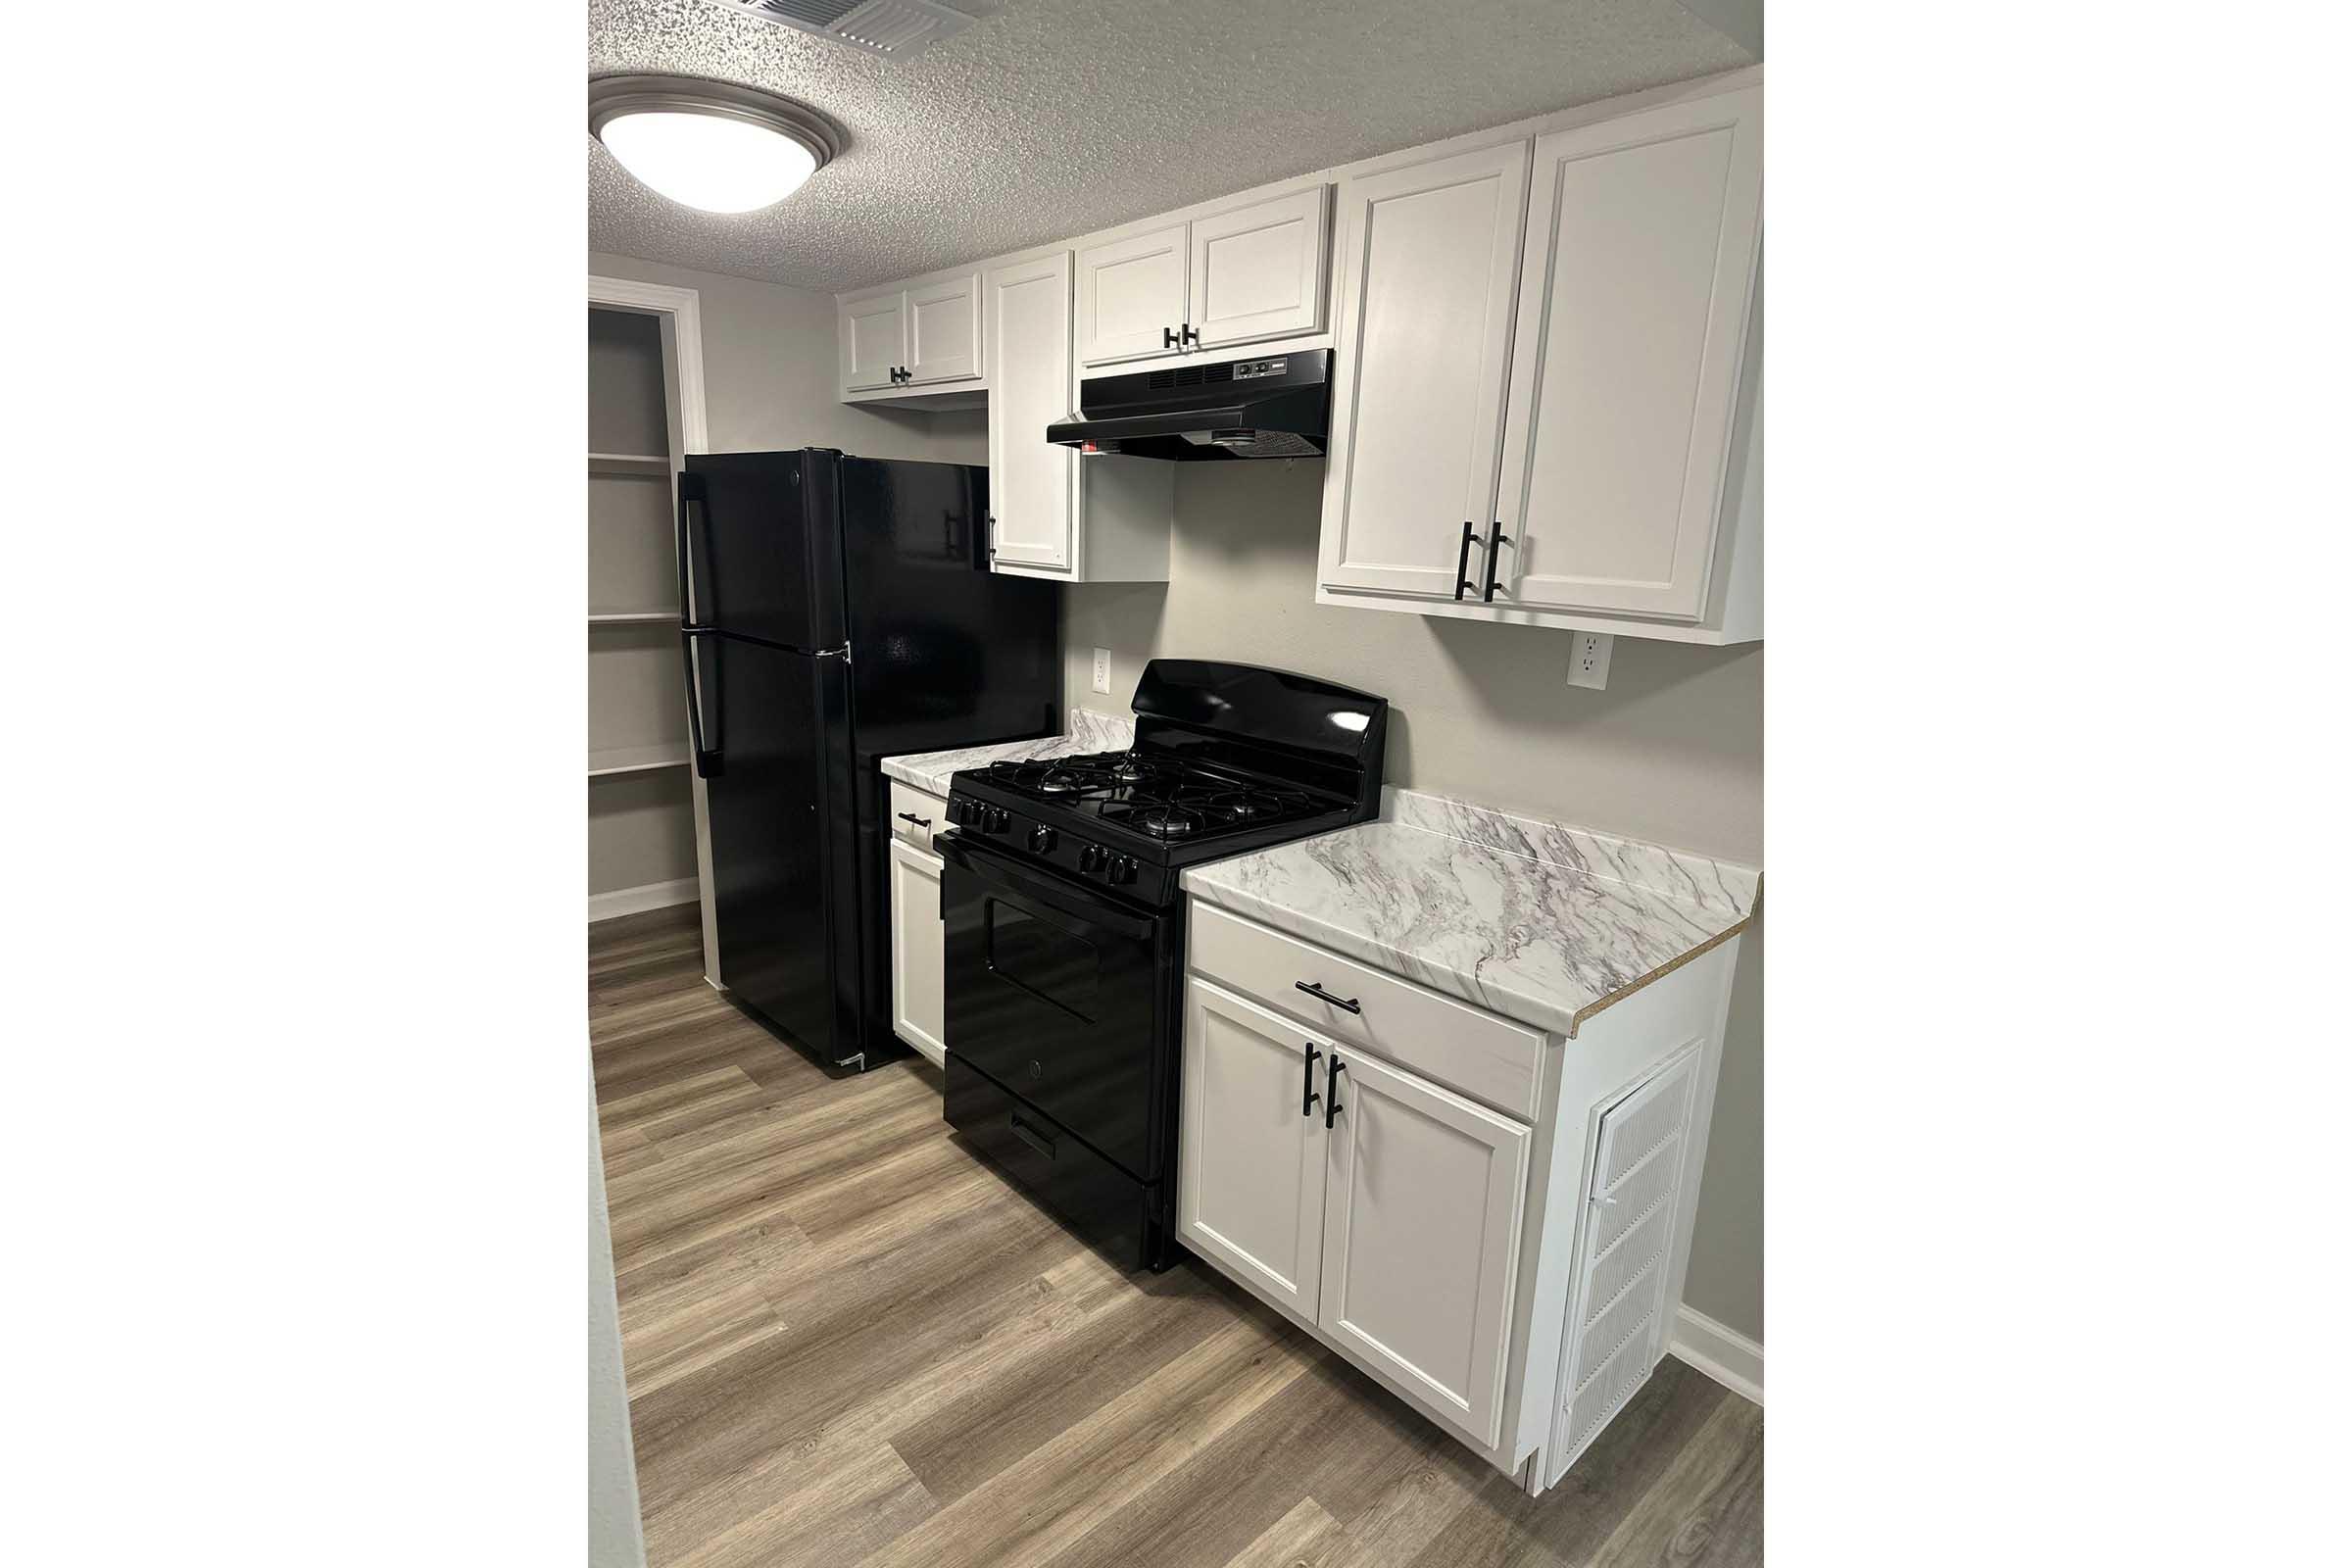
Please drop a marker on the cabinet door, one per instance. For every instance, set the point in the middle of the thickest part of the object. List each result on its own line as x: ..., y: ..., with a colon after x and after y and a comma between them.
x: 1130, y: 294
x: 1634, y: 303
x: 919, y: 1009
x: 1030, y: 482
x: 1429, y: 256
x: 943, y: 330
x: 1257, y: 271
x: 873, y: 339
x: 1421, y: 1221
x: 1251, y: 1167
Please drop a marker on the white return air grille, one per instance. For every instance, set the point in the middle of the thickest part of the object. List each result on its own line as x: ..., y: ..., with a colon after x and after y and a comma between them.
x: 1619, y: 1327
x: 894, y: 28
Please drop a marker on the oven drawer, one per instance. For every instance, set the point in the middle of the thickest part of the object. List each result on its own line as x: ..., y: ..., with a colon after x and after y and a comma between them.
x: 1103, y: 1205
x: 915, y: 814
x: 1492, y: 1059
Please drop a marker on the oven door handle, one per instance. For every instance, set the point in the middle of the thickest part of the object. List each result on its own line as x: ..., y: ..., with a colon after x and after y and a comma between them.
x: 998, y: 869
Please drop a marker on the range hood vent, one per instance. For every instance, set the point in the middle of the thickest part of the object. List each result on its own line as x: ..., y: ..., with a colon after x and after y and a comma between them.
x: 898, y: 28
x: 1276, y: 407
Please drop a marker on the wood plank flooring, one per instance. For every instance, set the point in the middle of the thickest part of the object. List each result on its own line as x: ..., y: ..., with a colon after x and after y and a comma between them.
x: 848, y: 1343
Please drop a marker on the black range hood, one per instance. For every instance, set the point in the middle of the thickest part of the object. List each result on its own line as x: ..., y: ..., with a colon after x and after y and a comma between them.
x: 1278, y: 406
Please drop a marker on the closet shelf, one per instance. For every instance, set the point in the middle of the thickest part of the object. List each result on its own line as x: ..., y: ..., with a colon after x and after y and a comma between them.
x: 637, y: 758
x: 641, y: 465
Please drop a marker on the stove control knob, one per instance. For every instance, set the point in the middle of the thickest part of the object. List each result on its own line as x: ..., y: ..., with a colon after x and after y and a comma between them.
x: 1122, y: 868
x: 997, y: 820
x: 957, y: 809
x: 1042, y: 839
x: 1089, y: 858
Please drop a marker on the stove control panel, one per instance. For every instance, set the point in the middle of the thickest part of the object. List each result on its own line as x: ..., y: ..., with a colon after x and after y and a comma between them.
x: 1058, y: 846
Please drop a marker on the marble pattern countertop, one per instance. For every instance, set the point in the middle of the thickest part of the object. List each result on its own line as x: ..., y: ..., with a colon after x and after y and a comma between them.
x: 1540, y: 921
x: 1089, y: 731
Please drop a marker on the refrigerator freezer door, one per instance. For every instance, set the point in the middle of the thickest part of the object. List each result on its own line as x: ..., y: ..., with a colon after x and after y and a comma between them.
x: 779, y: 845
x: 948, y: 653
x: 762, y: 535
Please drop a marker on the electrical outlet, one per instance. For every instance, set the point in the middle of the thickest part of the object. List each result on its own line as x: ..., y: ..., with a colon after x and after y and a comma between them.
x: 1102, y: 671
x: 1589, y: 659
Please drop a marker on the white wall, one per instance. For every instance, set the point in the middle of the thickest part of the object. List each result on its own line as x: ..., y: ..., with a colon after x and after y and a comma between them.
x: 1672, y: 751
x: 615, y: 1534
x: 771, y: 374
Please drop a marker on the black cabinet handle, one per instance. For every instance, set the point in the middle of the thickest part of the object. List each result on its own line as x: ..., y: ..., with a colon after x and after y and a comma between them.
x: 1496, y: 542
x: 1032, y: 1137
x: 1309, y: 1097
x: 1461, y: 563
x: 1168, y: 337
x: 1190, y: 334
x: 1331, y: 1090
x: 1344, y: 1003
x: 918, y: 821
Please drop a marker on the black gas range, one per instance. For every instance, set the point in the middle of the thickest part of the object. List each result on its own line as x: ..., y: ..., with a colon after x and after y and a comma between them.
x: 1065, y: 925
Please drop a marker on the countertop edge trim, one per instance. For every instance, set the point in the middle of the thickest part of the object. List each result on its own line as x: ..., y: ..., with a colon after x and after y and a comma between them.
x: 1659, y: 973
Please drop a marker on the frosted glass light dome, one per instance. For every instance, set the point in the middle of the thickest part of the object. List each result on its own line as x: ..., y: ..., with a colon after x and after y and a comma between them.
x: 709, y: 145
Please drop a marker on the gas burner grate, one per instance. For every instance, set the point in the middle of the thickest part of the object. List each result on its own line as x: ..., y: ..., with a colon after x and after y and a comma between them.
x: 1160, y: 798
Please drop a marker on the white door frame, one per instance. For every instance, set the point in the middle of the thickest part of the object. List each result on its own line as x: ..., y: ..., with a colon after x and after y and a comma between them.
x: 681, y: 313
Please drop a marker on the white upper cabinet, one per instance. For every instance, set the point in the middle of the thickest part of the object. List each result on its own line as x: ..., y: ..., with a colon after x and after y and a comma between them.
x: 1429, y: 256
x: 1421, y: 1220
x: 1633, y: 312
x: 1240, y: 275
x: 912, y: 338
x: 1546, y: 397
x: 1257, y: 271
x: 943, y: 330
x: 1032, y: 484
x: 1547, y: 354
x: 1131, y: 297
x: 873, y: 339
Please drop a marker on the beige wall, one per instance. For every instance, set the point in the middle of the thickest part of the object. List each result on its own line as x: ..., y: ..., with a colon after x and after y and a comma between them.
x: 1672, y: 751
x: 771, y: 374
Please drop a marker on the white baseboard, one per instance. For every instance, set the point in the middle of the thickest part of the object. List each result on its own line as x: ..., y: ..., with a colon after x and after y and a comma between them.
x: 638, y: 900
x: 1727, y: 1356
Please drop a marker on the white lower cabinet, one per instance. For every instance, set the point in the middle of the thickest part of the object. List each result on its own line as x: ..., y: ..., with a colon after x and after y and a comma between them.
x: 1514, y: 1279
x: 1250, y: 1189
x: 1391, y: 1223
x: 918, y: 949
x: 1420, y: 1236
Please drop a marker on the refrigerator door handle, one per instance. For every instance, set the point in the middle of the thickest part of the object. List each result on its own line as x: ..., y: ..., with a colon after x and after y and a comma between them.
x: 706, y: 741
x: 693, y: 495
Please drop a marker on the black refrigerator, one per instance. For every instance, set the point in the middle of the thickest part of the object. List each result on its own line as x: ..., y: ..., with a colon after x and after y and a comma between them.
x: 836, y: 611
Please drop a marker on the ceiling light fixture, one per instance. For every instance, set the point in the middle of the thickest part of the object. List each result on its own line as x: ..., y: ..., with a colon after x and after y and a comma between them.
x: 706, y: 144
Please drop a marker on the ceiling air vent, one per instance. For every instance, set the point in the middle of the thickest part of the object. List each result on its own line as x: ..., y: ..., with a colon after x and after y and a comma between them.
x: 894, y: 28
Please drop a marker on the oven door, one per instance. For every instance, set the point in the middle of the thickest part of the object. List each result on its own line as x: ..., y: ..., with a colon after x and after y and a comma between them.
x: 1050, y: 993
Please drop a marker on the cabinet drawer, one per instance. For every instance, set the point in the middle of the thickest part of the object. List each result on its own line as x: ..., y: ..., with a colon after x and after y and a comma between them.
x: 915, y: 814
x: 1491, y: 1060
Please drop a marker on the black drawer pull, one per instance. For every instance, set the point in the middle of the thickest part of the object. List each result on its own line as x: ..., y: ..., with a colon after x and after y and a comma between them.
x: 918, y: 821
x: 1307, y: 1105
x: 1344, y: 1003
x: 1032, y: 1137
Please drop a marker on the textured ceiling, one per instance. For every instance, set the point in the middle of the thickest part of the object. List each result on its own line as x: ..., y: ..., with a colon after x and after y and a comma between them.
x: 1058, y: 116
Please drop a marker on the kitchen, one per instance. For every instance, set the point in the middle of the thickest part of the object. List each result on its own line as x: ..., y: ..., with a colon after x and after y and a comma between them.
x: 1059, y: 849
x: 1228, y: 1030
